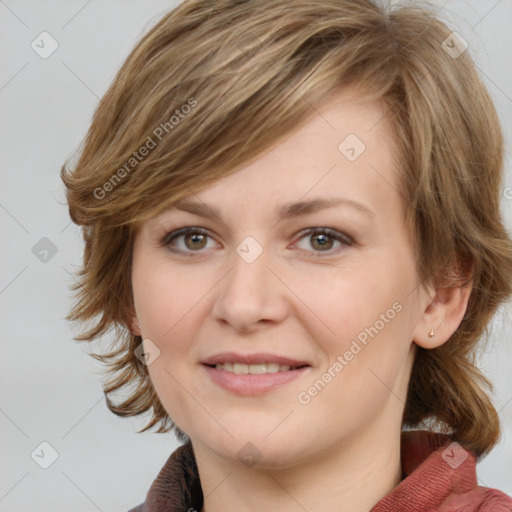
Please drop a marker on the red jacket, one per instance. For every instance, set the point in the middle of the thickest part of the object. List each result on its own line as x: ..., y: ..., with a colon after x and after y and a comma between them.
x: 438, y: 475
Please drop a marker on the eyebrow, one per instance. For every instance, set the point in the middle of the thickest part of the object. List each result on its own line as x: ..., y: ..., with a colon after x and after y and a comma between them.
x: 286, y: 211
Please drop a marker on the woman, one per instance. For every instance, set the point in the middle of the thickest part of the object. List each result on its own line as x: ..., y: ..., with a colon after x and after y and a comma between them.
x: 292, y: 225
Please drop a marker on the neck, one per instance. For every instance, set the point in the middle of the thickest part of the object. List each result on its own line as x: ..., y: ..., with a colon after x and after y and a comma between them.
x: 350, y: 477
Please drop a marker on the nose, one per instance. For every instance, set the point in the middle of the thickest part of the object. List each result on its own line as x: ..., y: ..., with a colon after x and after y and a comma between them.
x: 251, y: 294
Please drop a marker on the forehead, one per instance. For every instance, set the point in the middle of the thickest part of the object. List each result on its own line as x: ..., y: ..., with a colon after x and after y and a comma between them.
x: 345, y: 147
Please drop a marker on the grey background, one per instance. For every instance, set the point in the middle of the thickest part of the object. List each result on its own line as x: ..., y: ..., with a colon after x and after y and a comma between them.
x: 50, y: 387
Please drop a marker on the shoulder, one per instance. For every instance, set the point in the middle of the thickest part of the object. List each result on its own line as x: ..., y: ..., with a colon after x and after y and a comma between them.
x: 494, y: 500
x: 481, y: 499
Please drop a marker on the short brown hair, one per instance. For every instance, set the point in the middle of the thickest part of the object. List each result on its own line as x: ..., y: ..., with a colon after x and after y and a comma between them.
x: 249, y: 72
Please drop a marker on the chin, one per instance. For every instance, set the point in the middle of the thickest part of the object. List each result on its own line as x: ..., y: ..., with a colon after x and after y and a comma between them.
x: 249, y: 447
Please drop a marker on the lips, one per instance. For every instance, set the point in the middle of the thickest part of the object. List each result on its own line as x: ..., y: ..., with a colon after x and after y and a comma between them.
x: 253, y: 359
x: 252, y: 374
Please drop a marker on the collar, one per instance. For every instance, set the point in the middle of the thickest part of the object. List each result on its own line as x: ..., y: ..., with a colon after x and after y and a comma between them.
x: 437, y: 474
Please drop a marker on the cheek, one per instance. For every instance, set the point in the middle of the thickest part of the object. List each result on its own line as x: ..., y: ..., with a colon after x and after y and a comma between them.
x: 163, y: 296
x: 170, y: 304
x: 365, y: 364
x: 167, y: 310
x: 345, y: 303
x: 366, y: 314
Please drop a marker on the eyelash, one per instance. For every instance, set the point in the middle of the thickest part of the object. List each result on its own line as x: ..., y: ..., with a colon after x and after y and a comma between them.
x: 340, y: 237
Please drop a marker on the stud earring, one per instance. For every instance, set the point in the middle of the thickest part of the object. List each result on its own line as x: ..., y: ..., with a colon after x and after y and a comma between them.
x: 430, y: 334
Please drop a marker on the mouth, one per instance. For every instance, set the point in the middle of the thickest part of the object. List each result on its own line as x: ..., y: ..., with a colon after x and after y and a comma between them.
x: 252, y: 374
x: 254, y: 369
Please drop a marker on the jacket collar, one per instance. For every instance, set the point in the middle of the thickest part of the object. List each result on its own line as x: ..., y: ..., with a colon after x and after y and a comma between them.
x: 433, y: 470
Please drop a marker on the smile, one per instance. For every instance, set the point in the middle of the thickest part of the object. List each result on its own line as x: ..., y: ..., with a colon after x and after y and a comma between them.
x: 254, y: 369
x: 253, y: 374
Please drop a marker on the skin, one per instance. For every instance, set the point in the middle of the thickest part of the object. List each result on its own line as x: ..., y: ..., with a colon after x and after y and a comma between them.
x: 301, y: 299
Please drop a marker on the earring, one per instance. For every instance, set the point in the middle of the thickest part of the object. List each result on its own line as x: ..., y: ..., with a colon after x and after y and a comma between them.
x: 431, y: 333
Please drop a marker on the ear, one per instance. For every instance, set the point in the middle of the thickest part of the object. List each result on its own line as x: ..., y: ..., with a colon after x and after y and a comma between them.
x: 442, y: 311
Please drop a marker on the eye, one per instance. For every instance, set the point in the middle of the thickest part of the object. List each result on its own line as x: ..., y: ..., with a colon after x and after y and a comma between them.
x: 194, y: 239
x: 323, y: 239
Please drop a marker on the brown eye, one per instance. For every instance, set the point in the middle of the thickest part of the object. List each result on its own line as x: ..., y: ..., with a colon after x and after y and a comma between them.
x: 323, y: 240
x: 194, y: 240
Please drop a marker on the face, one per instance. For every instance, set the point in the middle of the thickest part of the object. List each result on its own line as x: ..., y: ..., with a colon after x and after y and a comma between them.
x: 270, y: 327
